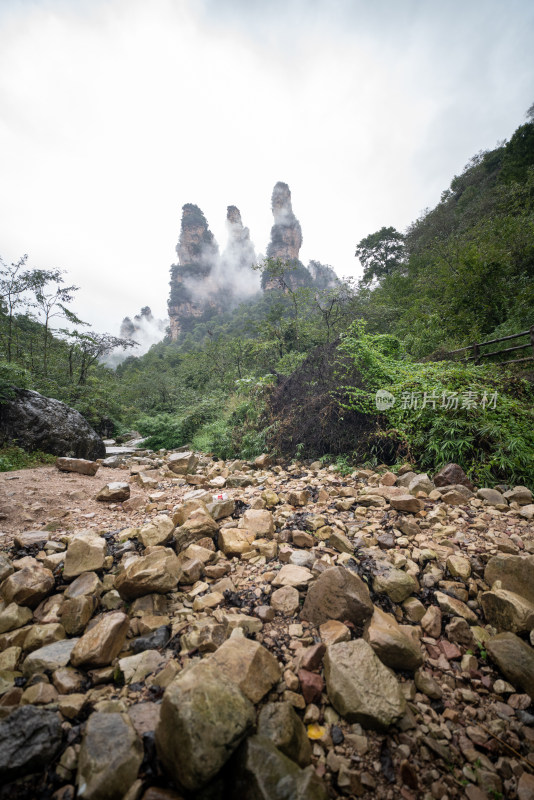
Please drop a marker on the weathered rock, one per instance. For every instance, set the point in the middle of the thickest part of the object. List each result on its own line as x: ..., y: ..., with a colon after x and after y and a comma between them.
x: 311, y: 686
x: 520, y: 495
x: 135, y: 668
x: 340, y: 542
x: 35, y: 422
x: 159, y: 572
x: 270, y: 498
x: 458, y: 631
x: 6, y: 567
x: 204, y: 717
x: 249, y: 665
x: 405, y: 479
x: 114, y: 492
x: 508, y: 611
x: 49, y: 658
x: 420, y: 483
x: 86, y: 552
x: 285, y: 600
x: 42, y: 635
x: 88, y: 583
x: 454, y: 498
x: 102, y: 643
x: 360, y: 687
x: 14, y: 616
x: 334, y: 631
x: 265, y: 460
x: 157, y: 531
x: 31, y: 538
x: 515, y: 660
x: 337, y: 594
x: 82, y: 466
x: 406, y: 502
x: 235, y: 541
x: 298, y: 497
x: 452, y: 474
x: 261, y: 772
x: 279, y: 723
x: 525, y: 787
x: 492, y: 497
x: 76, y: 612
x: 431, y: 621
x: 111, y: 462
x: 302, y: 558
x: 394, y: 648
x: 30, y: 739
x: 258, y: 521
x: 28, y: 586
x: 183, y: 463
x: 39, y: 694
x: 425, y: 683
x: 459, y: 567
x: 221, y: 508
x: 515, y: 574
x: 197, y: 527
x: 398, y: 585
x: 110, y: 756
x: 292, y: 575
x: 455, y: 607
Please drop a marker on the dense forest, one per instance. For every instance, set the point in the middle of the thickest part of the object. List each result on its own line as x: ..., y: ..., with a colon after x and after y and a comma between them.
x: 296, y: 370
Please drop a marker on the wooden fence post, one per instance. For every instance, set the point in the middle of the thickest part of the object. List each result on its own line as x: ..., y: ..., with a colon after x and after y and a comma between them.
x: 476, y: 353
x: 531, y: 331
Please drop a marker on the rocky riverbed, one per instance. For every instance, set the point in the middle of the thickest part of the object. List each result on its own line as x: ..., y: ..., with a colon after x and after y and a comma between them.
x: 172, y: 626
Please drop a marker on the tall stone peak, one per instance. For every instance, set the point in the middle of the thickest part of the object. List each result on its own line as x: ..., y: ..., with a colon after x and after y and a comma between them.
x: 198, y: 257
x: 239, y: 252
x: 205, y: 283
x: 286, y: 233
x: 197, y: 243
x: 145, y: 329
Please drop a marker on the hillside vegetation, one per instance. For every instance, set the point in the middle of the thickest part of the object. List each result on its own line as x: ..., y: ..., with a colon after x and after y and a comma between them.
x: 297, y: 370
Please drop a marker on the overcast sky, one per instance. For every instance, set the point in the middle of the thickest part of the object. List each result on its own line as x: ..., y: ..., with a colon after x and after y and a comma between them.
x: 114, y: 113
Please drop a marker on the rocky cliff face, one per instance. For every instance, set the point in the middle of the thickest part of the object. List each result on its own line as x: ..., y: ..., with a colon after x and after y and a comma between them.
x: 198, y: 256
x: 285, y: 243
x: 286, y: 233
x: 204, y: 283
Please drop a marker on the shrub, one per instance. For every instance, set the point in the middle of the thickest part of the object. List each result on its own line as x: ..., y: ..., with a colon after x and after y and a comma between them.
x: 12, y: 457
x: 477, y: 416
x: 176, y: 430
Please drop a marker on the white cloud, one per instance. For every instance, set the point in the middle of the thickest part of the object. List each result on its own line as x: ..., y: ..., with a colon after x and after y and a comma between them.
x: 114, y: 113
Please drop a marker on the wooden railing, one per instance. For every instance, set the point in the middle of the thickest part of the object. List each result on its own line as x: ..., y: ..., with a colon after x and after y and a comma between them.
x: 477, y: 355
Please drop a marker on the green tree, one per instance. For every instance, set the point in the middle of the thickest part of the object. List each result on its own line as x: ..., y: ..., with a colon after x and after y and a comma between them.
x: 15, y: 282
x: 51, y: 303
x: 88, y: 348
x: 380, y: 254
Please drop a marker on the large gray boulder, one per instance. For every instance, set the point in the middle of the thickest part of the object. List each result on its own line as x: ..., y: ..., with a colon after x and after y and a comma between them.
x: 360, y: 687
x: 30, y: 738
x: 203, y: 719
x: 34, y: 422
x: 259, y: 771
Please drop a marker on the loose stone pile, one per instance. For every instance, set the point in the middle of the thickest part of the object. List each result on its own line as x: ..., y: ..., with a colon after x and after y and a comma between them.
x: 261, y: 631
